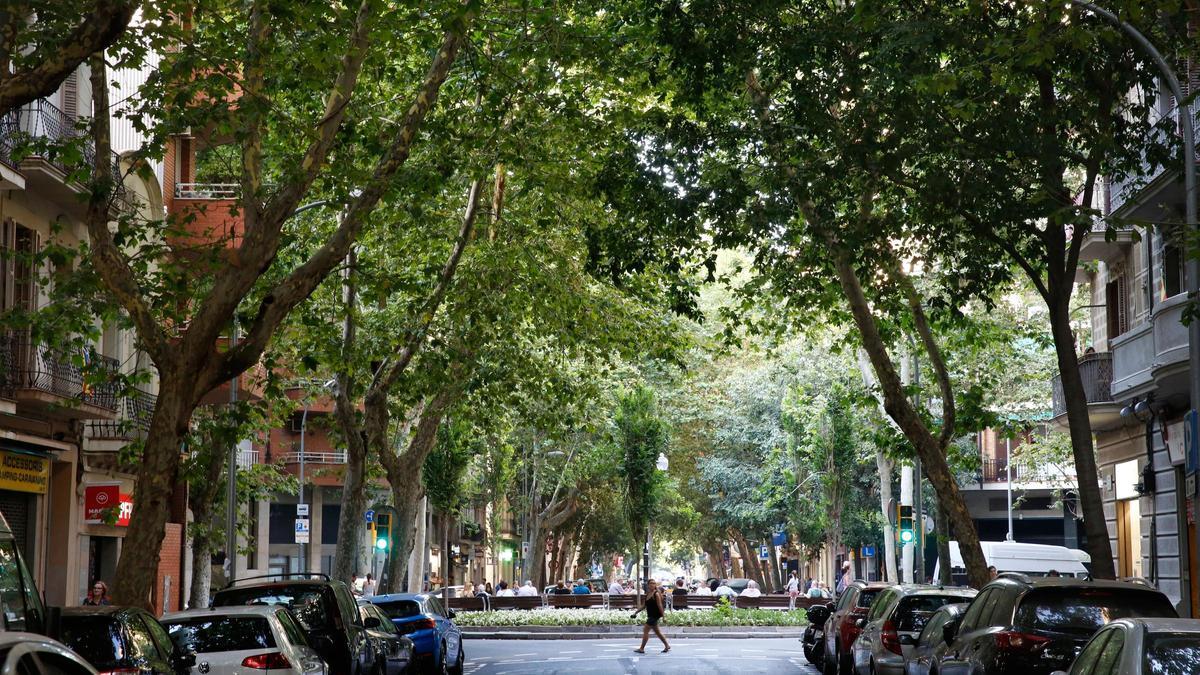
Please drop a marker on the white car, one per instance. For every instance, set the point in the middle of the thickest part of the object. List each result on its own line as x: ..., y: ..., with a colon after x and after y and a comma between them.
x: 250, y: 639
x: 29, y: 654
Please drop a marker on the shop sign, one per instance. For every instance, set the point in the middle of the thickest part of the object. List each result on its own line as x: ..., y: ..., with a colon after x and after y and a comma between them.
x: 104, y: 501
x: 24, y: 473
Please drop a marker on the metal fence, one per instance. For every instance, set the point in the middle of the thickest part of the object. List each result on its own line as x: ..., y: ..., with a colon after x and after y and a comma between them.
x: 43, y: 120
x: 135, y: 410
x: 1096, y: 369
x: 85, y: 377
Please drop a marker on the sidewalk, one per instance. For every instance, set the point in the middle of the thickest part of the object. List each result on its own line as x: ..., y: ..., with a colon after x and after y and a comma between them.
x: 627, y: 632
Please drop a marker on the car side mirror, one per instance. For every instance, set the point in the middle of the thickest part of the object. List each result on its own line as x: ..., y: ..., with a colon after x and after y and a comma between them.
x: 861, y: 623
x: 1059, y: 672
x: 949, y: 630
x: 906, y: 639
x: 450, y: 614
x: 371, y: 622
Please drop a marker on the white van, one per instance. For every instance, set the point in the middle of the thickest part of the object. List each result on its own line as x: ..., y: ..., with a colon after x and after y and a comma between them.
x: 1032, y: 559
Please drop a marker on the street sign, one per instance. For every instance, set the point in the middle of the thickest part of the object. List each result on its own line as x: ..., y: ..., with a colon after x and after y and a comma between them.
x: 868, y: 551
x: 370, y: 515
x: 763, y: 553
x: 302, y: 510
x: 779, y: 538
x: 928, y: 524
x: 524, y: 550
x: 302, y: 530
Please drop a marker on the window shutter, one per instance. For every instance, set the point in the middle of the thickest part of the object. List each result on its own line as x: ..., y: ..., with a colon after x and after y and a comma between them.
x: 70, y: 96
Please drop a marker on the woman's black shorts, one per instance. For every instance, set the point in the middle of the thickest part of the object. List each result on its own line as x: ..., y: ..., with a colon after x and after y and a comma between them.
x: 652, y: 620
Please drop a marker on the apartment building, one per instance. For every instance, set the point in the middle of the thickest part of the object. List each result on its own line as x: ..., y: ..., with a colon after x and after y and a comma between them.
x: 64, y: 490
x: 1135, y: 373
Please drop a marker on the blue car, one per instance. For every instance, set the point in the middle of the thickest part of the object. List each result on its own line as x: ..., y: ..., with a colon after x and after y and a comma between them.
x: 437, y: 641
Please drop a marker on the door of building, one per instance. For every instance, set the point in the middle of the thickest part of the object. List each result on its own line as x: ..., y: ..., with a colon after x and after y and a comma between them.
x: 19, y: 510
x: 1129, y: 538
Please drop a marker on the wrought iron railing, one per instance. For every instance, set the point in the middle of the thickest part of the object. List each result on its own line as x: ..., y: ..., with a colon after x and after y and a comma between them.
x: 311, y: 457
x: 135, y: 410
x: 1096, y: 370
x: 996, y: 471
x: 43, y: 120
x: 207, y: 190
x: 1126, y: 188
x: 86, y: 377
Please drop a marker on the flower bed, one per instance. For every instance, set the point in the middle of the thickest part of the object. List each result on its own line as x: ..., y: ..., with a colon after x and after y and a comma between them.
x: 718, y: 616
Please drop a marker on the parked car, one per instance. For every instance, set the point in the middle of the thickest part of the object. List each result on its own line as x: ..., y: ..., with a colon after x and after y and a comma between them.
x: 236, y: 639
x: 1141, y: 647
x: 122, y: 639
x: 437, y: 640
x: 1036, y: 625
x: 813, y: 640
x: 23, y: 608
x: 29, y: 654
x: 395, y: 650
x: 930, y: 644
x: 325, y: 609
x: 841, y: 629
x: 895, y: 619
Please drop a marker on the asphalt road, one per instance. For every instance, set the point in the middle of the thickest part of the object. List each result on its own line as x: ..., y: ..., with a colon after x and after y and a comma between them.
x: 703, y: 655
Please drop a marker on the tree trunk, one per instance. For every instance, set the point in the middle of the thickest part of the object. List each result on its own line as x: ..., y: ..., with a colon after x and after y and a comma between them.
x: 418, y: 556
x: 885, y: 467
x: 776, y: 574
x: 898, y: 407
x: 201, y: 499
x: 943, y: 545
x: 158, y: 474
x: 1099, y: 547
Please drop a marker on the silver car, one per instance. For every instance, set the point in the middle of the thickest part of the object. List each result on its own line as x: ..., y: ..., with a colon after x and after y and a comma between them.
x: 897, y: 616
x: 229, y: 640
x: 1141, y: 647
x: 29, y: 654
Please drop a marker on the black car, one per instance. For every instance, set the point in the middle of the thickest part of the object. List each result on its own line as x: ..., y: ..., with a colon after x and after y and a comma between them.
x: 326, y: 610
x: 813, y: 641
x: 125, y: 639
x: 1036, y: 625
x: 394, y: 650
x: 927, y: 647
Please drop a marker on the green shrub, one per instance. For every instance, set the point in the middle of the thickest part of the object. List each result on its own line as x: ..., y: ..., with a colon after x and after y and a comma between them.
x: 718, y: 616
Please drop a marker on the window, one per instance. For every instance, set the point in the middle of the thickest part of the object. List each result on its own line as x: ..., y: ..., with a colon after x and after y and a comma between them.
x: 865, y: 598
x: 1172, y: 654
x: 222, y: 634
x: 18, y: 282
x: 882, y: 605
x: 846, y: 598
x: 1085, y: 663
x: 290, y: 628
x: 282, y: 524
x: 159, y: 635
x: 932, y: 633
x: 1083, y: 612
x: 1002, y: 609
x: 401, y: 609
x: 311, y: 606
x: 1116, y: 302
x: 1110, y: 657
x: 971, y: 618
x: 95, y: 638
x: 12, y: 588
x: 914, y: 612
x: 140, y: 642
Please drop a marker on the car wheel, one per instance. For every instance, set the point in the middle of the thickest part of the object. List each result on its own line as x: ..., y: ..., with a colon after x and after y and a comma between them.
x: 459, y: 662
x: 441, y: 666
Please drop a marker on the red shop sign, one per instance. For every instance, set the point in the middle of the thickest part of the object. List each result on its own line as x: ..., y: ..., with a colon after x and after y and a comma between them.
x: 99, y: 499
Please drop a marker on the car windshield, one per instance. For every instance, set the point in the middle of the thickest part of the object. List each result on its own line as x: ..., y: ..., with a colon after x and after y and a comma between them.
x: 866, y: 597
x: 400, y: 609
x: 1083, y: 611
x: 914, y: 611
x: 96, y: 638
x: 1173, y: 653
x: 221, y: 634
x: 311, y: 606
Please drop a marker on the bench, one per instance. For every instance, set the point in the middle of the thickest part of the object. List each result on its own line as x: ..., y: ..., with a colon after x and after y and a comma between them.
x: 518, y: 602
x: 469, y: 604
x: 622, y: 601
x: 576, y: 601
x: 764, y: 602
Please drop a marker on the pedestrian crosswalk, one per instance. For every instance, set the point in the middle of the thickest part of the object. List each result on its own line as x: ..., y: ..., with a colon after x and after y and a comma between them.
x: 600, y: 657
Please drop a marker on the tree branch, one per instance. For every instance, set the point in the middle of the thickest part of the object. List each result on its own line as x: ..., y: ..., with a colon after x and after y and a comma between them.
x: 108, y: 260
x: 303, y: 280
x: 95, y: 32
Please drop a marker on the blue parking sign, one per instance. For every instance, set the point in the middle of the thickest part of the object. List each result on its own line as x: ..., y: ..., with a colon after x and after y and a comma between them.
x: 370, y: 514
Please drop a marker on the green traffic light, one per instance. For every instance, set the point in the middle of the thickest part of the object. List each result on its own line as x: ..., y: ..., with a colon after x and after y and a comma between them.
x: 906, y: 536
x: 381, y: 544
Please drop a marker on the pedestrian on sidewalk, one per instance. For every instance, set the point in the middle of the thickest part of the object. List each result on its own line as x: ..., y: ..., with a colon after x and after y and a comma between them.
x: 98, y: 596
x: 368, y: 589
x: 527, y: 590
x: 504, y: 591
x: 654, y: 612
x: 793, y: 590
x: 845, y: 580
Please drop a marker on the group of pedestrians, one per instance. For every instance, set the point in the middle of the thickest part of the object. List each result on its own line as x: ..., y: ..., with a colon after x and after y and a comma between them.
x: 500, y: 590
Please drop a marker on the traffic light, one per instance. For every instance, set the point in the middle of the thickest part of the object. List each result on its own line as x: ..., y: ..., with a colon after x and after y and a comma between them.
x: 908, y: 535
x: 383, y: 531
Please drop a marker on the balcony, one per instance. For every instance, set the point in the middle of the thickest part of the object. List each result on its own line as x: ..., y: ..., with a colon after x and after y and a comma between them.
x: 1146, y: 187
x: 247, y: 458
x: 1096, y: 370
x: 1101, y: 244
x: 37, y: 134
x: 995, y: 470
x: 75, y: 386
x: 133, y: 421
x: 1154, y: 355
x: 310, y: 457
x: 208, y: 214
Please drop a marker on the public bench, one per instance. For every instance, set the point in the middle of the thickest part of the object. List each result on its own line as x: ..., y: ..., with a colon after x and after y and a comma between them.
x: 576, y: 601
x: 519, y: 602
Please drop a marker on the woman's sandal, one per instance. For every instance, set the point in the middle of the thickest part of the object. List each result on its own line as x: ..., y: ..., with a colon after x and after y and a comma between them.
x: 639, y: 651
x: 666, y: 649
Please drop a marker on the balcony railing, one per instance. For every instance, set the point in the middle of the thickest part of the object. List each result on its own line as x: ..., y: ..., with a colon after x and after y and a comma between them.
x: 207, y: 190
x: 316, y: 457
x: 86, y: 378
x: 996, y: 471
x: 1125, y: 188
x: 1096, y: 370
x: 42, y: 119
x: 247, y: 458
x: 135, y: 410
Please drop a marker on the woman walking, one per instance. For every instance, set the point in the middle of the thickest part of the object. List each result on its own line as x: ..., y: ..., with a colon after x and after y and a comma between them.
x: 654, y: 612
